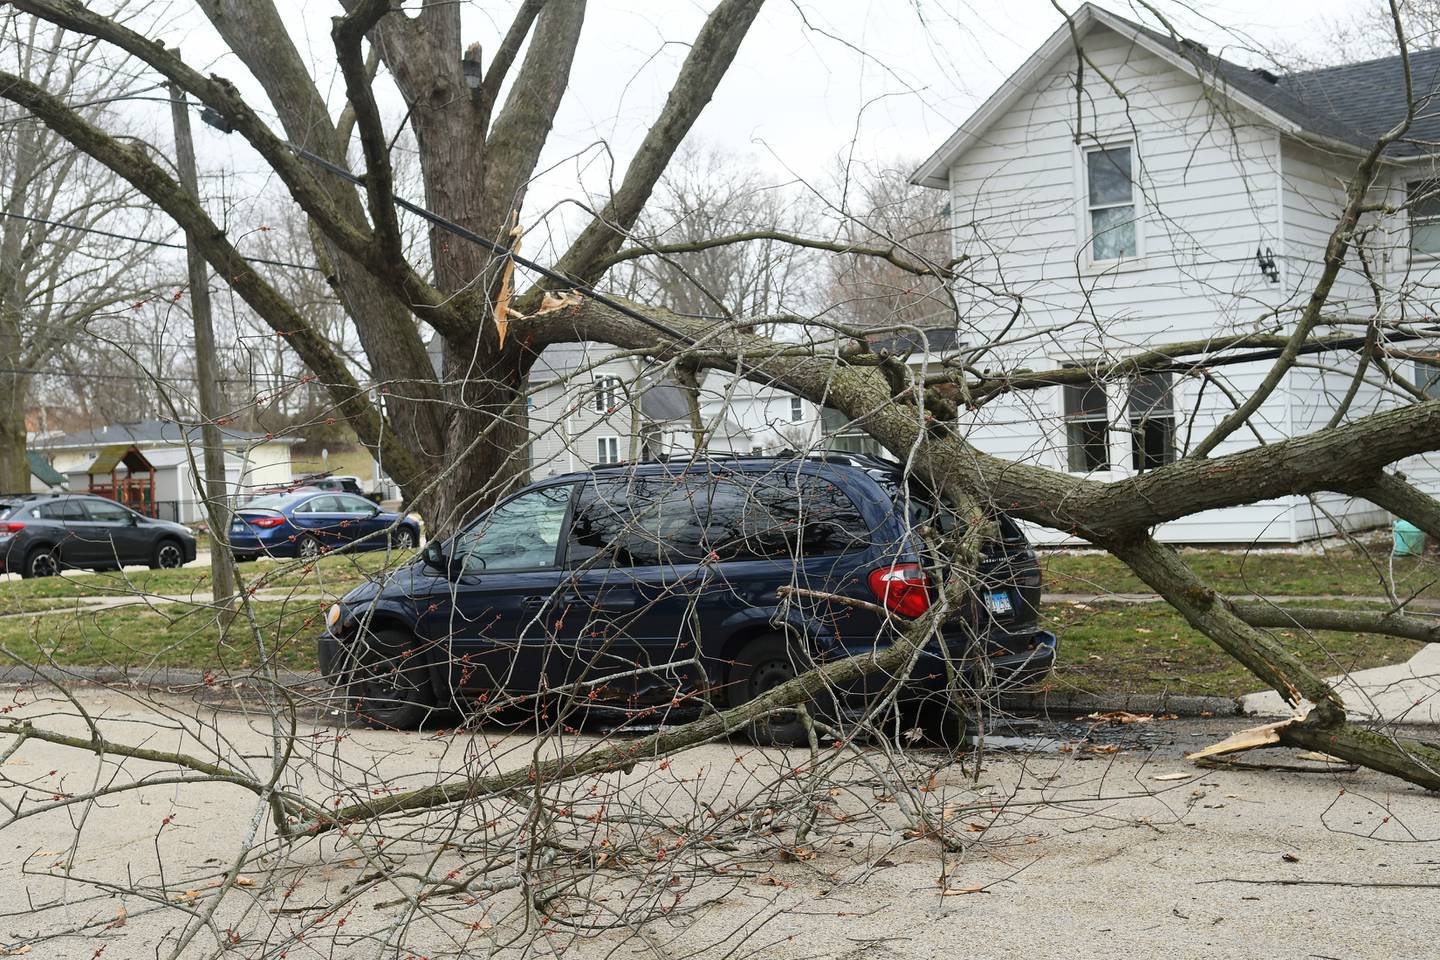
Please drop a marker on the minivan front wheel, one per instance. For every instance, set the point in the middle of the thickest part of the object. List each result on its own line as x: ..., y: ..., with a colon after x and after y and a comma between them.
x: 390, y: 687
x: 762, y: 665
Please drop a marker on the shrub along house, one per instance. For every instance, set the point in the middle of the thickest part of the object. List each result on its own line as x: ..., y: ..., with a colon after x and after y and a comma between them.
x: 1180, y: 196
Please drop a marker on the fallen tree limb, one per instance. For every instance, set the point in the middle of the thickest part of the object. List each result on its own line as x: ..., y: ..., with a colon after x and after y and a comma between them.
x: 1389, y: 622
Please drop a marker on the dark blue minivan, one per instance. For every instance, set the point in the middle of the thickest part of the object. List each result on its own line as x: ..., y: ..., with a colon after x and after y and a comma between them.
x: 654, y: 590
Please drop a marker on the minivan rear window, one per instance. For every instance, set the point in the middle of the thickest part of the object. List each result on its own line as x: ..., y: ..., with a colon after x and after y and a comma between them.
x: 645, y: 521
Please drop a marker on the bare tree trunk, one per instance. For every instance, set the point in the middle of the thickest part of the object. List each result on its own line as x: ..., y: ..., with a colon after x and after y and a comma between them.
x: 14, y: 467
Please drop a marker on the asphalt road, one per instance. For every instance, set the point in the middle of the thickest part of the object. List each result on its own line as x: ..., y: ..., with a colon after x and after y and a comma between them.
x: 1076, y: 851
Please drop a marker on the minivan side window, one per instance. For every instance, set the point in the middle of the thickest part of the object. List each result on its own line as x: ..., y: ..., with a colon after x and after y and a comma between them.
x: 784, y: 516
x: 523, y: 534
x: 621, y: 519
x: 651, y: 520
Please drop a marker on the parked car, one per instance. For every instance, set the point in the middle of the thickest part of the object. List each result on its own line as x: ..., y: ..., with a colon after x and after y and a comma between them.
x: 309, y: 523
x: 653, y: 587
x: 42, y: 534
x: 345, y: 483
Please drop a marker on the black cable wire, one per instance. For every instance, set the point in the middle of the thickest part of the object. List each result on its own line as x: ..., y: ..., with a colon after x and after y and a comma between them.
x: 495, y: 248
x: 154, y: 243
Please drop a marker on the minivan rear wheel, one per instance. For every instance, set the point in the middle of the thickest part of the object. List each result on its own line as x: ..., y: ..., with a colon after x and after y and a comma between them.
x: 390, y: 686
x: 762, y: 665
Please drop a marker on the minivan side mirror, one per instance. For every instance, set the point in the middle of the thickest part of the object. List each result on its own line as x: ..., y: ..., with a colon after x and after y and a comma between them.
x: 435, y: 557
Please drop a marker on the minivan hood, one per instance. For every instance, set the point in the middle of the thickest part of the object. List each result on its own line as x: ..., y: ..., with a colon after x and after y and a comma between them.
x: 397, y: 583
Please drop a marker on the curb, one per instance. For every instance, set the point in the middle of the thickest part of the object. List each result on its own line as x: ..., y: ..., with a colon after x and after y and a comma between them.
x: 1045, y: 704
x: 163, y: 678
x: 1182, y: 705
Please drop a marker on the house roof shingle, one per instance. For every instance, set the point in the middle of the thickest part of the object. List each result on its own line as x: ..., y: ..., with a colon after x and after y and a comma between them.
x: 1343, y: 107
x: 1355, y: 103
x: 41, y: 470
x: 154, y: 431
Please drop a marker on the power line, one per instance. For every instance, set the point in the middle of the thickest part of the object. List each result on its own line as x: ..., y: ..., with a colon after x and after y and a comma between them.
x: 165, y: 378
x: 145, y: 240
x: 216, y: 120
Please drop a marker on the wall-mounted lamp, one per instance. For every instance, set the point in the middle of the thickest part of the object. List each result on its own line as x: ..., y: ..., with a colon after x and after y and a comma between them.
x: 1266, y: 259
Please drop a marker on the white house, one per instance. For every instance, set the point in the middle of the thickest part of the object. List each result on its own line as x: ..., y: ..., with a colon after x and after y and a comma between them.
x: 1168, y: 195
x: 251, y: 460
x: 587, y: 409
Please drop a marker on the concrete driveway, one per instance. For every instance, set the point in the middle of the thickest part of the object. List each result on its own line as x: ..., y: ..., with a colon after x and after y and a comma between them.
x: 1406, y: 692
x: 1077, y: 853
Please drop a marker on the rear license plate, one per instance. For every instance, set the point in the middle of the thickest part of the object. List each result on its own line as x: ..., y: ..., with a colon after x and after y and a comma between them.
x: 999, y: 602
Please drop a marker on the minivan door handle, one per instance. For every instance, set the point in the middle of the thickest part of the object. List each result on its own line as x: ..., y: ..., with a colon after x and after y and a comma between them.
x: 611, y: 600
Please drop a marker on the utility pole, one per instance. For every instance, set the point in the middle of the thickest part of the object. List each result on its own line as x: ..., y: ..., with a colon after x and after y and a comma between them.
x: 217, y: 504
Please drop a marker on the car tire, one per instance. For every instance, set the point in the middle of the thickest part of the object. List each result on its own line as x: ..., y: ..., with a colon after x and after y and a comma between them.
x: 40, y: 562
x: 762, y: 665
x: 169, y: 555
x: 308, y: 548
x: 389, y: 684
x: 403, y: 539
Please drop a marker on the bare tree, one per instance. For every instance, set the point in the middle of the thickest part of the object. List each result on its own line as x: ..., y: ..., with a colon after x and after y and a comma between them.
x: 62, y: 263
x: 463, y: 438
x: 708, y: 195
x: 882, y: 207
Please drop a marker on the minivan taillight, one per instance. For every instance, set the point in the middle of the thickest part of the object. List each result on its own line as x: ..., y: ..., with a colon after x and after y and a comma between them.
x: 902, y: 587
x: 265, y: 523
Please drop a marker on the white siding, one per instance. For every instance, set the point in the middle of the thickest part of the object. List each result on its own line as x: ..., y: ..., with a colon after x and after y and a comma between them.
x: 564, y: 423
x: 1218, y: 186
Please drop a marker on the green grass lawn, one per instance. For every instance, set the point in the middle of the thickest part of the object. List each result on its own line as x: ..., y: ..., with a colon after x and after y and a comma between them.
x: 334, y: 575
x: 26, y: 604
x: 1263, y: 573
x: 175, y: 635
x: 1105, y: 647
x: 1149, y: 648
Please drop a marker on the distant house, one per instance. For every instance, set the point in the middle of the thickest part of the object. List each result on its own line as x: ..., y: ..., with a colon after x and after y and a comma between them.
x: 89, y: 459
x: 1180, y: 196
x: 43, y: 477
x: 587, y: 409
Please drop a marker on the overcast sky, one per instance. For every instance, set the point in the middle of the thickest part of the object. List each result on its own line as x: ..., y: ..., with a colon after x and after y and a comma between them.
x: 871, y: 81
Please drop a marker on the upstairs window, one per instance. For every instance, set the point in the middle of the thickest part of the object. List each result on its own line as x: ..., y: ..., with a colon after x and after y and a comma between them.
x: 1087, y: 426
x: 1424, y: 199
x: 1110, y: 195
x: 797, y: 410
x: 608, y: 393
x: 1152, y: 421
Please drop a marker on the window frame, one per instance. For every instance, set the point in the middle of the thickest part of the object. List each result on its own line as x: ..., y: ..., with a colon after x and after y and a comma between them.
x: 1085, y: 210
x: 1427, y: 383
x: 1155, y: 413
x: 1067, y: 419
x: 600, y: 443
x: 1411, y: 221
x: 797, y: 409
x: 606, y: 387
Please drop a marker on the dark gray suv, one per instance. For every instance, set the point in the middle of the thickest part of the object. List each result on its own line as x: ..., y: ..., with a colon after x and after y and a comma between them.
x: 42, y: 534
